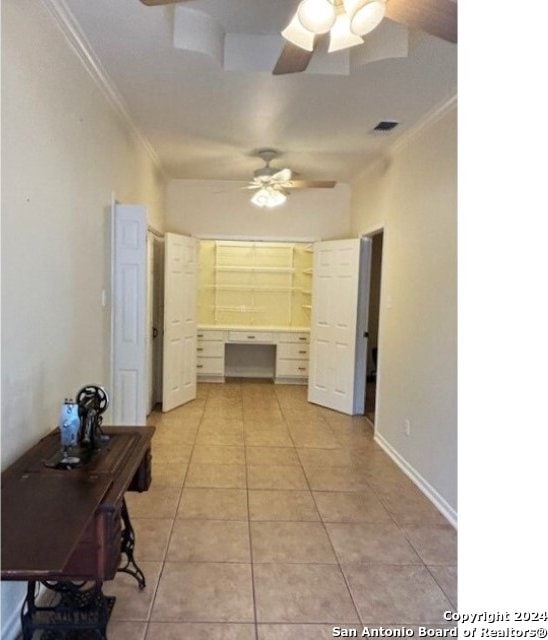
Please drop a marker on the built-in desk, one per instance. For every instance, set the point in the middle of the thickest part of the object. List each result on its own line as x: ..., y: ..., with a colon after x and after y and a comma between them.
x: 239, y: 351
x: 61, y: 527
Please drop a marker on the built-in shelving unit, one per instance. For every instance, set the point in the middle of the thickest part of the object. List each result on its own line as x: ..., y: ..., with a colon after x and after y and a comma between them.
x: 255, y: 283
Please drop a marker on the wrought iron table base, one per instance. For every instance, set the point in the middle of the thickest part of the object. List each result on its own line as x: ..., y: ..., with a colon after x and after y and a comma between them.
x: 128, y: 547
x: 81, y: 612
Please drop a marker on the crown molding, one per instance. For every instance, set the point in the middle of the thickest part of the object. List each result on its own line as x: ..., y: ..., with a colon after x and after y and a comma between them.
x: 430, y: 118
x: 78, y: 42
x: 382, y: 160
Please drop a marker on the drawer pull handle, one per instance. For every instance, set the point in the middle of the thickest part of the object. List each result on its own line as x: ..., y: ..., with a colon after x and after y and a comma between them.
x: 251, y: 337
x: 303, y: 351
x: 302, y: 339
x: 199, y: 366
x: 200, y: 335
x: 302, y: 368
x: 200, y: 349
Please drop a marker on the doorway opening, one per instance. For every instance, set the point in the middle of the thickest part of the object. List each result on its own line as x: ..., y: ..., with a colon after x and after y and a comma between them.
x: 373, y: 326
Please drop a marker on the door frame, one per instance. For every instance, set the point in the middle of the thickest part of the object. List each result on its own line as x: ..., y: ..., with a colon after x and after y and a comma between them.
x: 369, y: 233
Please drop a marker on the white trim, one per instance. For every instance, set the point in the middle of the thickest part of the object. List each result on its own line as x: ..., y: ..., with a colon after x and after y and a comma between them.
x: 77, y: 40
x: 439, y: 502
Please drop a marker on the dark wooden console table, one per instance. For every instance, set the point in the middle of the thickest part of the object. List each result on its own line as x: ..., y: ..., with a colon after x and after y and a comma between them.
x: 67, y: 528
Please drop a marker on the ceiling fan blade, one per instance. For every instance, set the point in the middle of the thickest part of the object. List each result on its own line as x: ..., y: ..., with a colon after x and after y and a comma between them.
x: 156, y: 3
x: 310, y: 184
x: 292, y: 59
x: 284, y: 175
x: 436, y: 17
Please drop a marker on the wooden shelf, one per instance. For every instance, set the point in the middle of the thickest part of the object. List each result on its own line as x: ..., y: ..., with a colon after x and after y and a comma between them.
x: 256, y: 269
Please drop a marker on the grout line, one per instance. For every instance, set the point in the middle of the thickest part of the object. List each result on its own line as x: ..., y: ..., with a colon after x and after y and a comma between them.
x: 155, y: 595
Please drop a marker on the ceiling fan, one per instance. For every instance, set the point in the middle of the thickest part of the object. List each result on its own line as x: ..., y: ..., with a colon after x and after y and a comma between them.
x: 436, y: 17
x: 272, y: 185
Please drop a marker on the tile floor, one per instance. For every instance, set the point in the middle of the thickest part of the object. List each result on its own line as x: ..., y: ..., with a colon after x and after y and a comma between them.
x: 270, y: 518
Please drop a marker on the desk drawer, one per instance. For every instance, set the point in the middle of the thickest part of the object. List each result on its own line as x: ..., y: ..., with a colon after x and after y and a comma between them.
x: 210, y: 349
x: 290, y: 336
x: 250, y: 336
x: 205, y: 334
x: 292, y: 350
x: 291, y: 368
x: 211, y: 366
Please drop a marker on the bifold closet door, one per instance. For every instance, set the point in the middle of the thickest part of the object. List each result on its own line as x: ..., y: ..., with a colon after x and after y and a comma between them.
x: 338, y: 340
x: 180, y: 321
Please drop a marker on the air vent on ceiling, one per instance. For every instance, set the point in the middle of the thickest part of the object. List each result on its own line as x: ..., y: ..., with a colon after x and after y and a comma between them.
x: 386, y: 125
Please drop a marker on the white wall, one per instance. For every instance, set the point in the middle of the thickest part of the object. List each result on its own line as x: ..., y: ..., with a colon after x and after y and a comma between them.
x: 413, y: 195
x: 64, y: 151
x: 222, y: 208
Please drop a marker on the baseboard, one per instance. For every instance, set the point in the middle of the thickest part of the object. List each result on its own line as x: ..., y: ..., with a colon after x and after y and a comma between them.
x: 437, y: 500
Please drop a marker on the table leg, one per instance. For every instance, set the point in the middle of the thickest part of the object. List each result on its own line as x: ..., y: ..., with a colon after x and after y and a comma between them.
x: 128, y: 547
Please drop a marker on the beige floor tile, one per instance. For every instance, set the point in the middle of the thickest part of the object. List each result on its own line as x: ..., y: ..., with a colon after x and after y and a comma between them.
x: 172, y: 453
x: 336, y: 479
x: 254, y: 424
x: 118, y: 630
x: 436, y: 544
x: 324, y: 457
x: 302, y: 593
x: 405, y: 593
x: 227, y: 413
x: 158, y: 502
x: 280, y: 456
x: 301, y: 631
x: 199, y: 631
x: 299, y: 542
x: 168, y: 473
x: 260, y: 415
x: 209, y: 541
x: 282, y: 505
x: 447, y: 578
x: 213, y: 454
x: 151, y: 538
x: 409, y: 506
x: 382, y: 543
x: 220, y: 423
x: 213, y: 504
x: 275, y: 477
x: 358, y: 506
x: 223, y: 437
x: 204, y: 591
x: 132, y: 603
x: 273, y: 438
x: 221, y: 476
x: 320, y: 439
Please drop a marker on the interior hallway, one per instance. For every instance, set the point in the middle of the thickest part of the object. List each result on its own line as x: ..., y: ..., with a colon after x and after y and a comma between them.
x: 270, y: 518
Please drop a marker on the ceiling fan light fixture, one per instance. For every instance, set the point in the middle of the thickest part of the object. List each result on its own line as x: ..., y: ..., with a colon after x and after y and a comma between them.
x: 298, y: 35
x: 364, y: 15
x: 341, y: 37
x: 317, y: 16
x: 269, y: 198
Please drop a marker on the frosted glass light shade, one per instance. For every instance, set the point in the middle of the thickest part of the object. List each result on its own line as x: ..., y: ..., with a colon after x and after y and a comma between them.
x: 364, y: 15
x: 318, y: 16
x: 268, y: 197
x: 298, y: 35
x: 341, y: 37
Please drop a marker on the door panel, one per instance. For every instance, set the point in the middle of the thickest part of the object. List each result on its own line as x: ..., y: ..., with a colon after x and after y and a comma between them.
x: 337, y: 329
x: 129, y: 308
x: 180, y: 320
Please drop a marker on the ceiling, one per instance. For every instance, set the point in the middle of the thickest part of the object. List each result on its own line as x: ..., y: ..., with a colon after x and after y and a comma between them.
x: 206, y: 123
